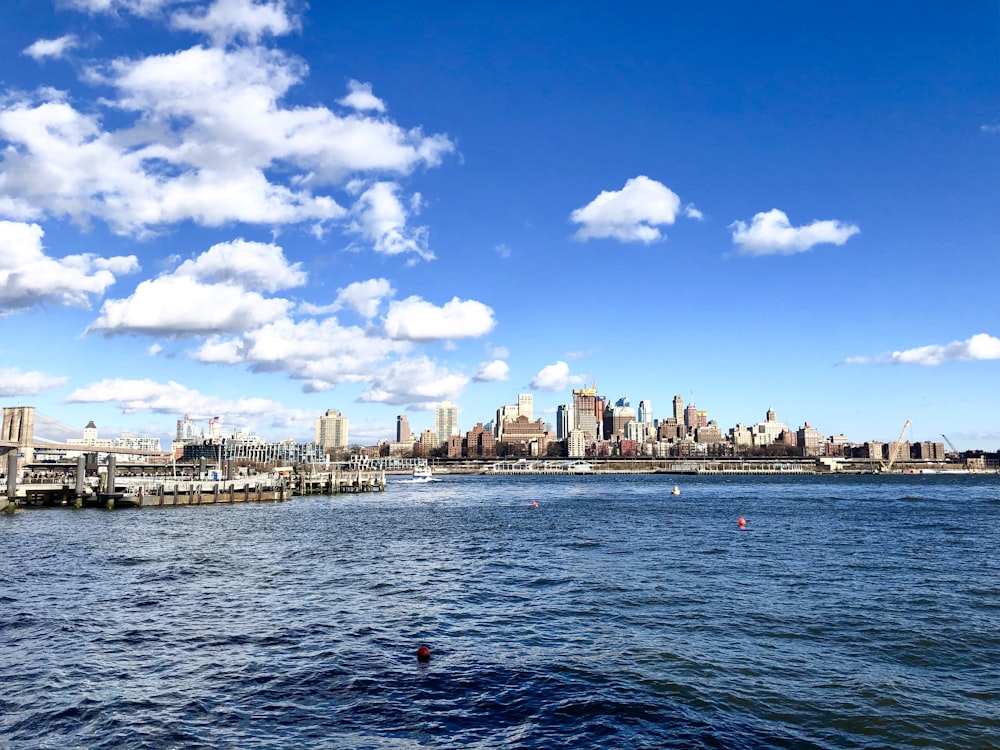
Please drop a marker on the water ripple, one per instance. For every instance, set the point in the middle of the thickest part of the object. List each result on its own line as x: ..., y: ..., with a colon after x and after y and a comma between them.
x: 853, y: 613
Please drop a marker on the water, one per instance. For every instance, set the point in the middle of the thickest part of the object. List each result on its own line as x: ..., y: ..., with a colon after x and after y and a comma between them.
x: 853, y: 612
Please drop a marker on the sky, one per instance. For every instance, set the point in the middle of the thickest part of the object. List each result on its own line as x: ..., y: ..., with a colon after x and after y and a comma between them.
x: 261, y: 210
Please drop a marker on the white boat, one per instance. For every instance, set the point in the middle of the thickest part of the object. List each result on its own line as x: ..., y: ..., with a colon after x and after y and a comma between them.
x: 422, y: 473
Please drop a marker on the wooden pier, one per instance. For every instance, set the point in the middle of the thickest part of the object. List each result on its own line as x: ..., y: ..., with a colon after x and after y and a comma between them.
x: 75, y: 489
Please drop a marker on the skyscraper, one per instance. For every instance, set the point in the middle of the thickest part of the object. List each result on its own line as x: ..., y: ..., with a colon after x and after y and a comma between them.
x: 585, y: 412
x: 187, y: 429
x: 403, y: 434
x: 331, y: 430
x: 679, y: 409
x: 564, y: 420
x: 645, y: 411
x: 445, y: 421
x: 525, y: 406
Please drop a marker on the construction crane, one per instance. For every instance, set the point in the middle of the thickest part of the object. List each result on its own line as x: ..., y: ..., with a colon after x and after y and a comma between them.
x: 895, y: 448
x: 951, y: 445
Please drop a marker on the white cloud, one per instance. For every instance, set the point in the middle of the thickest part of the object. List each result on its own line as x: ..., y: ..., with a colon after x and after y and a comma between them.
x: 414, y: 319
x: 632, y: 214
x: 365, y: 296
x: 503, y: 250
x: 44, y: 48
x: 417, y: 381
x: 154, y: 350
x: 225, y: 20
x: 693, y: 213
x: 29, y: 278
x: 137, y: 7
x: 209, y: 141
x: 172, y: 398
x: 207, y: 295
x: 13, y: 382
x: 251, y: 265
x: 982, y: 346
x: 361, y: 97
x: 497, y: 352
x: 491, y: 372
x: 770, y: 233
x: 555, y: 378
x: 379, y: 216
x: 992, y: 128
x: 323, y: 354
x: 177, y: 306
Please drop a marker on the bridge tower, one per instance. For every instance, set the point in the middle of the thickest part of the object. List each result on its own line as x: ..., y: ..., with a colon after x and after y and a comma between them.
x: 19, y: 431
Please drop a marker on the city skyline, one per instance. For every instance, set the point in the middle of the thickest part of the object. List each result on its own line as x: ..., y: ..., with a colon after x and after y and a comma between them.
x: 260, y: 211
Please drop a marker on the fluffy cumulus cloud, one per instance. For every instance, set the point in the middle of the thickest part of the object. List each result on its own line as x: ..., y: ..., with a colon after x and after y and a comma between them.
x: 252, y: 265
x: 415, y: 319
x: 172, y: 398
x: 771, y: 233
x: 30, y: 278
x: 633, y: 214
x: 44, y: 48
x: 491, y: 372
x: 202, y: 135
x: 224, y: 20
x: 177, y: 306
x: 322, y: 354
x: 361, y: 97
x: 380, y: 217
x: 555, y: 377
x: 365, y: 297
x: 418, y: 382
x: 13, y: 382
x: 215, y: 293
x: 978, y: 347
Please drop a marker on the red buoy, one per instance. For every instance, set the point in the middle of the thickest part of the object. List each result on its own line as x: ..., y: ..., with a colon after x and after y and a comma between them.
x: 742, y: 523
x: 423, y: 654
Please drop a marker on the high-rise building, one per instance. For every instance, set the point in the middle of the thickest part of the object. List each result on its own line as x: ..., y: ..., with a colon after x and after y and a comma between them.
x: 403, y: 434
x: 616, y: 417
x: 691, y: 416
x: 187, y: 429
x: 679, y: 409
x: 768, y: 431
x: 645, y: 411
x: 445, y: 421
x: 585, y: 416
x: 331, y: 430
x: 509, y: 412
x: 564, y: 420
x: 525, y: 406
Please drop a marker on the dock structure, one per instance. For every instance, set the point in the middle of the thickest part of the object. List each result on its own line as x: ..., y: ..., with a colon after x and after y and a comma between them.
x: 73, y: 488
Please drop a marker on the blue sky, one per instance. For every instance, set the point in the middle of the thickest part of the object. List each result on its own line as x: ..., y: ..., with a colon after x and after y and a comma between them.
x: 263, y: 210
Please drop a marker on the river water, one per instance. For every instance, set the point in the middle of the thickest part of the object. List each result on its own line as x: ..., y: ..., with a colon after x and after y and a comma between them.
x: 851, y: 612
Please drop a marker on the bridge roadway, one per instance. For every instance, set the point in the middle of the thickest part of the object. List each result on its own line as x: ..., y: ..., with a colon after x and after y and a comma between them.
x: 47, y: 445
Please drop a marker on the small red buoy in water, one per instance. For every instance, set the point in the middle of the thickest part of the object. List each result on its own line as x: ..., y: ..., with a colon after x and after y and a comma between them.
x: 534, y: 503
x: 742, y: 523
x: 423, y: 654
